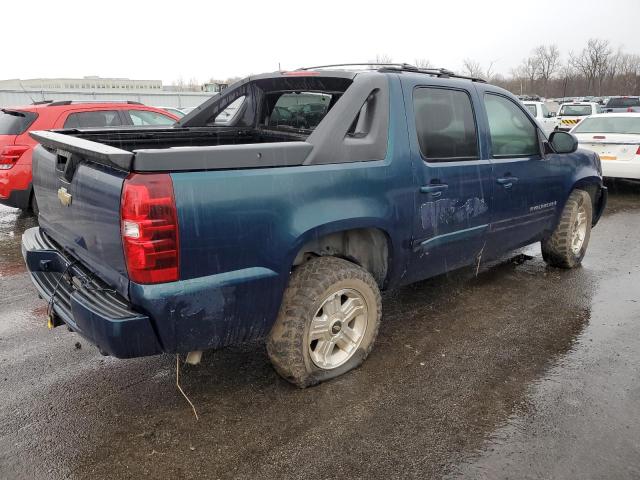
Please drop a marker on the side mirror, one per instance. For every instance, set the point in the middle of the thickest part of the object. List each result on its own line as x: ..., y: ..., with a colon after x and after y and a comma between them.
x: 563, y: 142
x: 551, y: 114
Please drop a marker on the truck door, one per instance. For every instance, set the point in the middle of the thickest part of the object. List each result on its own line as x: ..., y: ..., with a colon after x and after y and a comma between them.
x: 452, y: 181
x: 527, y: 184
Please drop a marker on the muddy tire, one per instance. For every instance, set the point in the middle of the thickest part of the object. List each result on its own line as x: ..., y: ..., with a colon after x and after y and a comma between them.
x: 568, y: 243
x: 328, y: 321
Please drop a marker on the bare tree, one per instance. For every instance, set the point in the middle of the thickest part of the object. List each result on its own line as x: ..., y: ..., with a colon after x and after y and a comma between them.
x: 628, y: 71
x: 593, y: 62
x: 381, y: 59
x: 179, y: 84
x: 547, y: 59
x: 490, y: 73
x: 472, y: 68
x: 422, y: 63
x: 529, y: 69
x: 193, y: 85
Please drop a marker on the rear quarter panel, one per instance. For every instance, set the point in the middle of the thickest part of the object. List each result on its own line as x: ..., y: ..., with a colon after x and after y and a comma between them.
x: 243, y: 228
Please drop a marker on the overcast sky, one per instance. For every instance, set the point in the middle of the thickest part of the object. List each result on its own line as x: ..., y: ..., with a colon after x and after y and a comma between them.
x: 167, y: 40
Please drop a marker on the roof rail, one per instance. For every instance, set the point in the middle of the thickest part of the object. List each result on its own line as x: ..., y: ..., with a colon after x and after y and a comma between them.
x: 41, y: 102
x: 74, y: 102
x: 399, y: 67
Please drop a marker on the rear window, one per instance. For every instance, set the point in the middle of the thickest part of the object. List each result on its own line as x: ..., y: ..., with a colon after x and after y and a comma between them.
x: 575, y: 110
x: 609, y: 125
x: 15, y: 122
x: 99, y: 118
x: 623, y: 102
x: 532, y: 109
x: 303, y: 110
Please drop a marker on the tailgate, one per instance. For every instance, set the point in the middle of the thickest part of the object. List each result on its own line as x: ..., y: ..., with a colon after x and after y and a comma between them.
x: 78, y: 190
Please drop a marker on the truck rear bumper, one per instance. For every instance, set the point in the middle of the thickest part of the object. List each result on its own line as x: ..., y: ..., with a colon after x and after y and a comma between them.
x: 84, y: 303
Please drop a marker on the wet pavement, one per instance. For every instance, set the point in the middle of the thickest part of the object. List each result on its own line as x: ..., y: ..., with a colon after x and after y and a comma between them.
x: 524, y: 371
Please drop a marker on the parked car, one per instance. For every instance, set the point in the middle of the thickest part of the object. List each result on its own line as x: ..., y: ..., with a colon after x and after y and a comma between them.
x: 198, y: 236
x: 622, y: 104
x: 541, y: 113
x: 175, y: 111
x: 570, y: 114
x: 615, y: 137
x: 16, y: 145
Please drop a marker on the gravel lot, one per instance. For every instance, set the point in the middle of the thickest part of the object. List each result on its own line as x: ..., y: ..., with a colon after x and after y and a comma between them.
x: 524, y: 371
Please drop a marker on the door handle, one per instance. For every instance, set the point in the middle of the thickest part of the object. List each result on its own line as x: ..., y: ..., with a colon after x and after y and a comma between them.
x: 435, y: 189
x: 507, y: 182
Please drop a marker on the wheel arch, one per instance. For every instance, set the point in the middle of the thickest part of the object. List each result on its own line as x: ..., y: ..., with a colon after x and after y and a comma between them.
x: 593, y: 186
x: 367, y: 245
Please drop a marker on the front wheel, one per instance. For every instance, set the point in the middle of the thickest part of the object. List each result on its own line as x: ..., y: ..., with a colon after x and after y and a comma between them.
x: 328, y: 321
x: 568, y: 243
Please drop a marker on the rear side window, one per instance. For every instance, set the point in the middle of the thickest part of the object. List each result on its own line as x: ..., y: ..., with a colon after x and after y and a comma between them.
x: 512, y: 133
x: 99, y: 118
x: 445, y: 124
x: 532, y: 109
x: 146, y: 117
x: 15, y: 122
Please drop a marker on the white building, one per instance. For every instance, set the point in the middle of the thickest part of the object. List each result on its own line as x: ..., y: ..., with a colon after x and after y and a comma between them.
x: 85, y: 84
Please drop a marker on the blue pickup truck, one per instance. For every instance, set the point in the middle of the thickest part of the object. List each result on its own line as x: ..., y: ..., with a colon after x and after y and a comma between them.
x: 282, y: 207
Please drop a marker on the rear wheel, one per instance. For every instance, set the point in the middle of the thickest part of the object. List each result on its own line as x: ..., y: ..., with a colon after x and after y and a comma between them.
x: 566, y: 246
x: 328, y: 321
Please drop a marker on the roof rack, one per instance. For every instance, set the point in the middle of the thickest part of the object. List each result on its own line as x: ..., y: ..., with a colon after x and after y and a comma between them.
x: 74, y: 102
x: 400, y: 67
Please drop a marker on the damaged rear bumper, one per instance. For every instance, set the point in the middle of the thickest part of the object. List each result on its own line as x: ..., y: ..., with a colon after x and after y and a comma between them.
x: 84, y: 303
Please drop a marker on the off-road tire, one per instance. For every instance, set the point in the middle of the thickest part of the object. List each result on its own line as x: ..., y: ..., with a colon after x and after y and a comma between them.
x: 557, y: 248
x: 309, y: 286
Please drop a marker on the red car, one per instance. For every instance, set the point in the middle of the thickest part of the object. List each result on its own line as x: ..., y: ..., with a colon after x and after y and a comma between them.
x: 16, y: 145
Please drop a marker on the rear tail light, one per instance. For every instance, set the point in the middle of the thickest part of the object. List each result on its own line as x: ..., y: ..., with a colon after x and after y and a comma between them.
x: 149, y: 228
x: 638, y: 151
x: 9, y: 155
x: 630, y: 109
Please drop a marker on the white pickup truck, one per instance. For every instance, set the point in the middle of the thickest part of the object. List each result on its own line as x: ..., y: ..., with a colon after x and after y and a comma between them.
x: 571, y: 114
x: 545, y: 118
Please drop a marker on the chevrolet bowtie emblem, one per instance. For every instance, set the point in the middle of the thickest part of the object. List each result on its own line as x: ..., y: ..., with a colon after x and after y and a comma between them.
x: 64, y: 196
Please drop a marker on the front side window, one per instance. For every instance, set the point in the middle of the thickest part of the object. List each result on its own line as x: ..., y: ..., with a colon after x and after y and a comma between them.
x: 99, y: 118
x: 445, y: 124
x: 146, y: 117
x: 545, y: 111
x: 512, y: 133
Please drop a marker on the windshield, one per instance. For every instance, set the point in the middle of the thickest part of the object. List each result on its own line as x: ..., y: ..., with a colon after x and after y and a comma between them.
x: 300, y: 109
x: 575, y: 110
x: 629, y: 125
x: 532, y: 109
x: 15, y: 122
x: 624, y: 102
